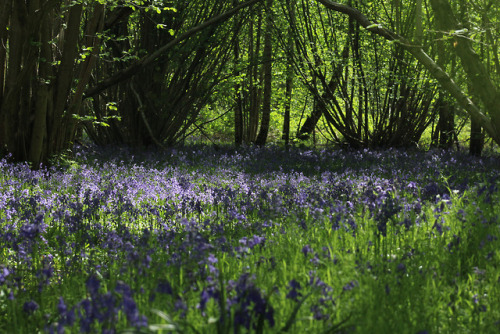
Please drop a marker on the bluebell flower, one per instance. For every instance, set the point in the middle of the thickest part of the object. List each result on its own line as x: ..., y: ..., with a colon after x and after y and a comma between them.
x: 349, y: 286
x: 4, y: 272
x: 93, y: 284
x: 307, y: 249
x: 438, y: 226
x: 180, y: 305
x: 164, y: 287
x: 294, y: 292
x: 401, y: 267
x: 61, y: 306
x: 204, y: 298
x: 132, y: 313
x: 30, y: 306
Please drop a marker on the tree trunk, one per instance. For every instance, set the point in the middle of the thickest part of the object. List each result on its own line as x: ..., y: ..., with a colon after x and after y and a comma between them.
x: 238, y: 101
x: 65, y: 77
x: 5, y: 8
x: 419, y: 31
x: 39, y: 132
x: 289, y: 78
x: 310, y: 124
x: 476, y: 139
x: 268, y: 72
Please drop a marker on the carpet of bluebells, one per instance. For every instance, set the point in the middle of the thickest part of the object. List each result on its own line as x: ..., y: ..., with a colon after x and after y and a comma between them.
x: 260, y: 240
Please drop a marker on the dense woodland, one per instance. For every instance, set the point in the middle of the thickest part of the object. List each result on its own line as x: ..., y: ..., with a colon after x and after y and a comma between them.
x: 153, y: 73
x: 249, y: 166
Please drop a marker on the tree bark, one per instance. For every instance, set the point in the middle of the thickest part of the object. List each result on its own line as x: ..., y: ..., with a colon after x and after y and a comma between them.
x: 238, y: 101
x: 268, y: 72
x: 65, y: 76
x: 476, y: 139
x: 289, y: 76
x: 5, y: 9
x: 419, y: 31
x: 310, y: 124
x: 10, y: 108
x: 39, y: 132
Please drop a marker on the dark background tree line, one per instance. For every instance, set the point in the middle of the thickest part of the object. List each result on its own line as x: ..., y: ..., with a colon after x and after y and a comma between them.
x: 151, y: 73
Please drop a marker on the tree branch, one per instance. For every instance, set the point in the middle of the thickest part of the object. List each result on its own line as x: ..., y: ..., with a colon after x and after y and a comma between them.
x: 146, y: 60
x: 437, y: 72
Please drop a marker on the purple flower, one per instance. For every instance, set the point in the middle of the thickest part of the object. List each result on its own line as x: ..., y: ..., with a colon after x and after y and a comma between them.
x: 438, y: 226
x: 30, y: 307
x: 204, y: 298
x: 132, y: 313
x: 93, y: 285
x: 307, y: 249
x: 251, y: 304
x: 4, y: 272
x: 349, y: 286
x: 401, y: 267
x: 164, y: 287
x: 294, y: 292
x: 180, y: 305
x: 61, y: 306
x: 212, y: 259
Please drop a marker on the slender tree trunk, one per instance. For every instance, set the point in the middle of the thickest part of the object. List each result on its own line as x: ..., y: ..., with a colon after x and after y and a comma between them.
x: 310, y: 124
x: 39, y: 132
x: 5, y: 8
x: 444, y: 132
x: 65, y: 76
x: 238, y: 102
x: 268, y: 72
x: 289, y: 77
x: 10, y: 108
x: 419, y: 31
x: 476, y: 139
x: 254, y: 82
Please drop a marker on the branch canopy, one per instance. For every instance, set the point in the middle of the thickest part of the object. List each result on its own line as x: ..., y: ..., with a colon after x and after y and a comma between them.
x: 437, y: 72
x: 146, y: 60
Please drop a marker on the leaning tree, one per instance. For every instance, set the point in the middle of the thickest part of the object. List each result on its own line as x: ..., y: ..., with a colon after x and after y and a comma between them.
x: 486, y: 113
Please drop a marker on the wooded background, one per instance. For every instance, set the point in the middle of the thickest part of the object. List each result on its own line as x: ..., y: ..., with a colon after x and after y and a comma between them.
x: 360, y: 73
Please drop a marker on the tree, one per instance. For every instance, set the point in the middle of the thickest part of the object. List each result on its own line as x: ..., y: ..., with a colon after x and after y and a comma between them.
x: 48, y: 52
x: 475, y: 70
x: 289, y: 49
x: 364, y: 89
x: 46, y: 64
x: 268, y: 62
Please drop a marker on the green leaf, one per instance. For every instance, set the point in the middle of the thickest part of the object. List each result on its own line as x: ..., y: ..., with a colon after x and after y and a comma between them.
x: 293, y: 315
x: 375, y: 25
